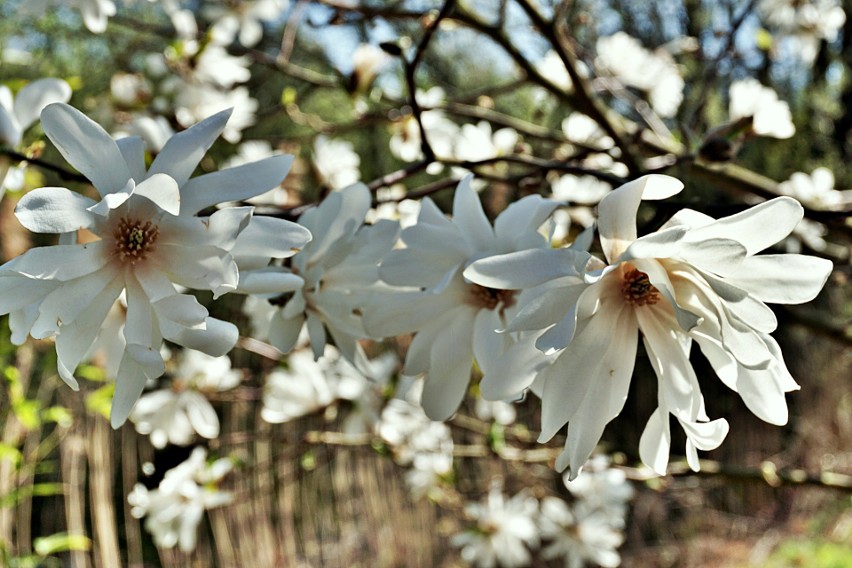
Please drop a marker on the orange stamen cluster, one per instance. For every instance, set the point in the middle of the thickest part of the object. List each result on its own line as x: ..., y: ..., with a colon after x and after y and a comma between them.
x: 638, y: 290
x: 134, y: 240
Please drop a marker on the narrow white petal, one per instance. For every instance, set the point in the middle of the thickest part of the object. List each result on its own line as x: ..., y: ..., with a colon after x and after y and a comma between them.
x: 86, y: 146
x: 469, y: 216
x: 60, y: 262
x: 782, y: 278
x: 272, y: 280
x: 216, y: 338
x: 449, y: 369
x: 316, y: 333
x: 757, y: 227
x: 706, y: 435
x: 514, y: 371
x: 161, y: 190
x: 516, y: 228
x: 234, y: 184
x: 272, y: 238
x: 488, y: 345
x: 183, y: 151
x: 655, y: 442
x: 617, y: 210
x: 139, y: 364
x: 526, y: 268
x: 133, y: 150
x: 284, y: 332
x: 54, y: 210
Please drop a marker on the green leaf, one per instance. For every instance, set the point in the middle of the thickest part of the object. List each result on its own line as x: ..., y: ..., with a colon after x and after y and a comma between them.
x: 61, y: 542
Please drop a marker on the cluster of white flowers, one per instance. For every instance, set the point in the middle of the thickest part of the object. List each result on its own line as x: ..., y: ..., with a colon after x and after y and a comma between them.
x: 17, y: 114
x: 807, y: 22
x: 654, y: 73
x: 173, y: 510
x: 770, y: 116
x: 586, y: 531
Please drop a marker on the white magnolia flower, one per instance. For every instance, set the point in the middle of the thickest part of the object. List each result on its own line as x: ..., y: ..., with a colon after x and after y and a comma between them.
x: 653, y: 72
x: 334, y: 277
x: 95, y: 13
x: 174, y: 510
x: 806, y: 21
x: 405, y: 141
x: 455, y: 320
x: 151, y: 241
x: 301, y: 389
x: 696, y: 279
x: 816, y: 190
x: 551, y: 67
x: 501, y: 412
x: 578, y: 534
x: 770, y: 116
x: 18, y: 113
x: 477, y: 142
x: 504, y: 532
x: 175, y: 414
x: 581, y: 129
x: 367, y: 61
x: 242, y: 20
x: 336, y: 162
x: 602, y: 488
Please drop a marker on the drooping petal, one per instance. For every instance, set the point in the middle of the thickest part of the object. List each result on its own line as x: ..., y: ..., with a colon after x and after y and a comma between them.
x: 516, y: 228
x: 201, y: 415
x: 183, y: 151
x: 449, y: 369
x: 33, y: 97
x: 655, y: 442
x: 139, y: 364
x: 514, y: 371
x: 488, y: 345
x: 284, y: 332
x: 54, y: 210
x: 86, y: 146
x: 234, y: 184
x: 17, y: 292
x: 199, y: 267
x: 271, y: 280
x: 617, y: 210
x: 215, y: 338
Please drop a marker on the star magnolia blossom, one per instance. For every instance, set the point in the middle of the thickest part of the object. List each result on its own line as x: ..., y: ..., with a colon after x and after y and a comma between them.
x: 696, y: 279
x: 454, y: 320
x: 150, y: 240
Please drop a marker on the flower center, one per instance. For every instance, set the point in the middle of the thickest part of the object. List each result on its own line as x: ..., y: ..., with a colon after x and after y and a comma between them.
x: 135, y: 239
x: 490, y: 298
x: 638, y: 290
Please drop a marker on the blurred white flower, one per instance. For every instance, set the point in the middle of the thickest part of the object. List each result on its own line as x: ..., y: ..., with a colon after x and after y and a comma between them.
x: 477, y: 142
x: 242, y: 20
x: 584, y: 190
x: 367, y: 61
x: 336, y: 162
x: 441, y: 132
x: 155, y: 131
x: 129, y: 89
x: 602, y: 488
x: 17, y: 114
x: 695, y: 279
x: 578, y: 534
x: 95, y: 13
x: 174, y: 510
x: 580, y: 129
x: 816, y: 190
x: 551, y: 67
x: 455, y: 321
x: 770, y: 116
x: 806, y: 21
x: 393, y: 206
x: 655, y: 73
x: 501, y: 412
x: 504, y: 531
x: 175, y: 414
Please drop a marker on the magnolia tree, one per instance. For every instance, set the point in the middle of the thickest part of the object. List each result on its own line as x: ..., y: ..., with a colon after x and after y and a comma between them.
x: 441, y: 226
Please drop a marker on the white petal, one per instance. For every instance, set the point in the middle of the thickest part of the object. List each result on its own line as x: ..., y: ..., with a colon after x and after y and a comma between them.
x: 469, y: 216
x: 86, y: 146
x: 541, y: 308
x: 617, y: 210
x: 339, y: 215
x: 70, y: 299
x: 133, y: 150
x: 514, y: 371
x: 182, y: 309
x: 526, y: 268
x: 161, y: 190
x: 216, y: 338
x: 757, y: 227
x: 284, y: 332
x: 139, y: 364
x: 54, y: 210
x: 272, y: 280
x: 33, y: 97
x: 17, y: 292
x: 655, y: 443
x: 199, y: 267
x: 316, y: 332
x: 202, y: 416
x: 488, y: 345
x: 449, y: 369
x: 112, y: 200
x: 183, y: 151
x: 516, y: 228
x: 60, y: 262
x: 782, y: 278
x: 234, y: 184
x: 272, y: 238
x: 706, y: 435
x: 395, y: 313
